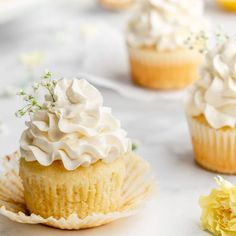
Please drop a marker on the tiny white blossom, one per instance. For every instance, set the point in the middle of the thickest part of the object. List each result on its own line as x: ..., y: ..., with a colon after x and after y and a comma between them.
x: 32, y: 104
x: 36, y: 86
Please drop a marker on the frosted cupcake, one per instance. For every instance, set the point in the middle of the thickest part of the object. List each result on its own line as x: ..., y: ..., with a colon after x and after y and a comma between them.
x: 115, y: 4
x: 156, y: 35
x: 73, y: 152
x: 211, y: 109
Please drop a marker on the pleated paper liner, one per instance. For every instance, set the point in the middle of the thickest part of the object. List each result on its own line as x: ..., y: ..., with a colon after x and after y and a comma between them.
x: 214, y: 149
x: 138, y: 185
x: 164, y: 70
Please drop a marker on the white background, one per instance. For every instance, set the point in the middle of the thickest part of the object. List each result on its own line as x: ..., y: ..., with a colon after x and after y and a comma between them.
x: 78, y: 36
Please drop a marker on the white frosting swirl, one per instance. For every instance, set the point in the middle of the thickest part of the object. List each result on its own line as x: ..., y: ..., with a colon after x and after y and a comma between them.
x: 165, y: 24
x: 214, y: 95
x: 77, y: 130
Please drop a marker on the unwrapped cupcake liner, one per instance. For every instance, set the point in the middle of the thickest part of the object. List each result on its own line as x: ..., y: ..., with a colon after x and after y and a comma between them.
x: 214, y: 149
x: 137, y: 187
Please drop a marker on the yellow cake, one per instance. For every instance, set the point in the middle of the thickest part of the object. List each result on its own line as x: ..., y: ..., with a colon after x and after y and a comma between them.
x: 164, y: 69
x: 210, y: 107
x: 73, y: 152
x: 158, y: 54
x: 55, y: 191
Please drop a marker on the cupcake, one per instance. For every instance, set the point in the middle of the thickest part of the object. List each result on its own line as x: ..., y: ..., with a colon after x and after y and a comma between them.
x: 115, y: 4
x: 211, y: 109
x: 156, y: 35
x: 73, y: 152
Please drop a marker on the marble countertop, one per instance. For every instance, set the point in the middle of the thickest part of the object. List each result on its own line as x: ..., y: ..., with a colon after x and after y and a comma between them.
x: 158, y: 126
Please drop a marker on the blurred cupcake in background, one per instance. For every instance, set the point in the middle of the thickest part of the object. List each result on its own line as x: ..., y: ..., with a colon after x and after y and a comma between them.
x: 115, y: 4
x: 229, y: 5
x: 156, y: 37
x: 211, y: 109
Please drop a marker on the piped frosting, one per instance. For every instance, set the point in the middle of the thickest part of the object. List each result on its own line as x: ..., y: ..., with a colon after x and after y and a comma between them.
x: 214, y: 95
x: 165, y: 24
x: 76, y: 129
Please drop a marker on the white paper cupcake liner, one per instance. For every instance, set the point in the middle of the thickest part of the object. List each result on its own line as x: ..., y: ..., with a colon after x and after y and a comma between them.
x: 137, y: 187
x: 163, y: 58
x: 214, y: 149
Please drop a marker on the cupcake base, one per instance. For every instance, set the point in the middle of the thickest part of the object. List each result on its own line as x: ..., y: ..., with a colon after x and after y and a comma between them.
x: 214, y: 149
x: 164, y: 70
x: 136, y: 188
x: 84, y: 191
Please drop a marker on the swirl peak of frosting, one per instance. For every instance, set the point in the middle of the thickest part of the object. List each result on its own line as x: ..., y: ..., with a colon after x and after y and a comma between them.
x: 214, y: 95
x: 165, y: 24
x: 76, y: 129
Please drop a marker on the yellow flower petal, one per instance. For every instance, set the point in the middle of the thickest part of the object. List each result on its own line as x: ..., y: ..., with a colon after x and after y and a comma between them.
x: 219, y: 209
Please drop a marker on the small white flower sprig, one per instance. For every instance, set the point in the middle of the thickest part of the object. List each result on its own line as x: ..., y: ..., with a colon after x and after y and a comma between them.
x: 134, y: 146
x: 32, y: 105
x: 197, y: 41
x: 201, y: 41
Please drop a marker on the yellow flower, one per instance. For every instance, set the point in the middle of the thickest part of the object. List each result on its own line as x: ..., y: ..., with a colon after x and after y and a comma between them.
x: 229, y: 5
x: 219, y: 209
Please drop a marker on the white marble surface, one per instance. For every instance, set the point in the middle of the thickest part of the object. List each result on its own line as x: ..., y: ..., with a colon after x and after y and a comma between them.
x: 158, y: 125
